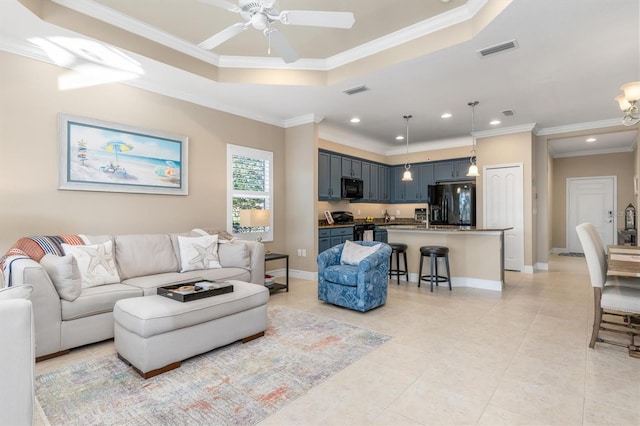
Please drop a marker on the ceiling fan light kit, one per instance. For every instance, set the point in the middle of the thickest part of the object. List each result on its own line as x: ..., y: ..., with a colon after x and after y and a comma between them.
x: 261, y: 14
x: 628, y: 103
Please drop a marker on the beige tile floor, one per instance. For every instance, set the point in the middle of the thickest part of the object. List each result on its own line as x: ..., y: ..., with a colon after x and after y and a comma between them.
x: 467, y: 357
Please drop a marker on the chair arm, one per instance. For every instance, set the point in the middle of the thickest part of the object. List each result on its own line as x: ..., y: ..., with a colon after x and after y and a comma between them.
x: 374, y: 259
x: 256, y: 251
x: 330, y: 257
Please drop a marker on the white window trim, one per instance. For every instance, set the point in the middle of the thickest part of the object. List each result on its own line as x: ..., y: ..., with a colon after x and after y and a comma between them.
x: 253, y: 153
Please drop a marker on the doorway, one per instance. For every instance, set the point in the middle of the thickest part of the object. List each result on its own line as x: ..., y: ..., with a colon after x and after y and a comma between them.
x: 593, y: 200
x: 504, y: 208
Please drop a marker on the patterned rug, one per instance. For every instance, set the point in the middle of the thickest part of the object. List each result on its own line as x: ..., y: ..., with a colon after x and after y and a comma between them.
x: 239, y: 384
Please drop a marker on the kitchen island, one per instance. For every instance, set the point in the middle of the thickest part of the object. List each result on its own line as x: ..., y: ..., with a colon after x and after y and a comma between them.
x: 475, y: 255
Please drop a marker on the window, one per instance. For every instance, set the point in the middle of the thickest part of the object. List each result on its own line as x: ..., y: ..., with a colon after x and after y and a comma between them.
x: 250, y: 183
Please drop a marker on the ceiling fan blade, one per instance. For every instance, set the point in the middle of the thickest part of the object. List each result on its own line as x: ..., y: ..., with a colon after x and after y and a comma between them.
x: 222, y: 36
x: 317, y: 18
x: 224, y: 4
x: 282, y: 46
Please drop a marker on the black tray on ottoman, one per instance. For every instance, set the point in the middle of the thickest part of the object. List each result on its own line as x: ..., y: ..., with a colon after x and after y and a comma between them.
x: 186, y: 292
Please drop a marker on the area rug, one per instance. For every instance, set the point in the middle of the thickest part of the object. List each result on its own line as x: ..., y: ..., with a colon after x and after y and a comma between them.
x: 240, y: 384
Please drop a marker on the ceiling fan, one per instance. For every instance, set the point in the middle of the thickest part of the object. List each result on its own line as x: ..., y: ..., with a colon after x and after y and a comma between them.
x: 261, y: 14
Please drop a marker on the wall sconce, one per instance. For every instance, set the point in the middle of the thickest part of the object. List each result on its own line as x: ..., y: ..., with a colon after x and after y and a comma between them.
x: 629, y: 103
x: 255, y: 219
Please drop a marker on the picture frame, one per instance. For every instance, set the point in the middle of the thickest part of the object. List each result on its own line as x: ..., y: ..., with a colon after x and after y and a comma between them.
x: 96, y: 155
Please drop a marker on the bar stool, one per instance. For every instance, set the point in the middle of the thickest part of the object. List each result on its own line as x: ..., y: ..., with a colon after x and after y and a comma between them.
x: 434, y: 252
x: 398, y: 249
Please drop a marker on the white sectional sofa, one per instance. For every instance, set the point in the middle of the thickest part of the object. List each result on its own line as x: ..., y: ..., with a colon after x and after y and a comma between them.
x: 68, y: 316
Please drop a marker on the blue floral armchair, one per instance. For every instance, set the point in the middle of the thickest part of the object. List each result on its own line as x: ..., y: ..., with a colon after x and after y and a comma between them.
x: 360, y: 287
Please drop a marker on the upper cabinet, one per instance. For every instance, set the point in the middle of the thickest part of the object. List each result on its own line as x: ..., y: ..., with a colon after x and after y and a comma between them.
x: 382, y: 183
x: 329, y: 174
x: 351, y: 167
x: 451, y: 170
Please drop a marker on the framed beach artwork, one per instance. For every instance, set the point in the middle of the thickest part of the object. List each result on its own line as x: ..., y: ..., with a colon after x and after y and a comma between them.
x: 101, y: 156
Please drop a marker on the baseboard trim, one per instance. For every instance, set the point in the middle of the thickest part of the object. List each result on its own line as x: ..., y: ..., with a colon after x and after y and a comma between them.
x: 541, y: 266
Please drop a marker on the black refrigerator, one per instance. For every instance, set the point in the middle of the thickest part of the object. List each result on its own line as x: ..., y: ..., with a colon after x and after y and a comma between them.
x: 452, y: 204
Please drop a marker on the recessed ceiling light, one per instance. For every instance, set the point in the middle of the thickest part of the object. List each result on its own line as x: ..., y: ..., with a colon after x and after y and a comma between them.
x: 494, y: 122
x: 446, y: 115
x: 355, y: 120
x: 399, y: 138
x: 591, y: 140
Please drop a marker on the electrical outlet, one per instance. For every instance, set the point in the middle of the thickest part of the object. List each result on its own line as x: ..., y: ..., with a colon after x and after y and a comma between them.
x: 304, y: 252
x: 398, y: 213
x: 358, y: 212
x: 381, y: 211
x: 299, y: 252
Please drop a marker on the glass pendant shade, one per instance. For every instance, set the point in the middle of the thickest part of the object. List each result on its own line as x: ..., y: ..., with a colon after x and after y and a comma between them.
x: 473, y: 170
x: 631, y: 91
x: 406, y: 176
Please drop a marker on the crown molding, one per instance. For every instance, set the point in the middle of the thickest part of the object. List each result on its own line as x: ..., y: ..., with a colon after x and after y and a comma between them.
x: 591, y: 152
x: 416, y: 147
x: 302, y: 119
x: 505, y: 131
x: 344, y: 137
x: 613, y: 122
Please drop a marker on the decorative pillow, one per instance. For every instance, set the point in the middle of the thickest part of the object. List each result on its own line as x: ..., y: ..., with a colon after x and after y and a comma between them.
x: 95, y: 262
x: 234, y: 255
x: 16, y: 292
x: 223, y: 236
x: 353, y: 253
x: 199, y: 253
x: 65, y: 275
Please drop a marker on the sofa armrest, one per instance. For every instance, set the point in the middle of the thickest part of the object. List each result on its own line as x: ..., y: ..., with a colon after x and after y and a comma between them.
x: 17, y: 360
x: 330, y: 256
x: 256, y: 251
x: 47, y: 310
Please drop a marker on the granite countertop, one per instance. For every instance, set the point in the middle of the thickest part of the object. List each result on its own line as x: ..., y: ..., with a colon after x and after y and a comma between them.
x: 442, y: 228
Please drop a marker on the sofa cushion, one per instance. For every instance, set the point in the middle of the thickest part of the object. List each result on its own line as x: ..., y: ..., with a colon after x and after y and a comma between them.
x: 95, y: 262
x: 176, y: 246
x: 198, y: 253
x: 65, y: 275
x: 97, y: 300
x: 144, y: 254
x: 152, y: 315
x: 150, y: 283
x: 353, y: 253
x: 234, y: 254
x: 342, y: 274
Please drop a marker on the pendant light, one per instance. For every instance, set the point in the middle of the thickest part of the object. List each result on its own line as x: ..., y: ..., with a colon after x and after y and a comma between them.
x: 406, y: 176
x: 473, y: 168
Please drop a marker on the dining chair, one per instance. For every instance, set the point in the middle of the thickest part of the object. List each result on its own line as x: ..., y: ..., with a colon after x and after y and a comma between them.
x: 616, y: 297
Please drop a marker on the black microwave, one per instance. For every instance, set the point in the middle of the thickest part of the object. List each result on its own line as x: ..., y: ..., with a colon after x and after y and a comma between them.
x: 351, y: 188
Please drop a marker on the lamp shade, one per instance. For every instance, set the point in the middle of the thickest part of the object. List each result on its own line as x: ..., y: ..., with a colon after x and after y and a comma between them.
x: 622, y: 101
x: 255, y: 218
x: 631, y: 91
x: 473, y: 170
x: 406, y: 176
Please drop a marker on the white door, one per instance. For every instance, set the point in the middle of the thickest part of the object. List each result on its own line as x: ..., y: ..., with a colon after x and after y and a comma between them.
x: 591, y: 200
x: 504, y: 208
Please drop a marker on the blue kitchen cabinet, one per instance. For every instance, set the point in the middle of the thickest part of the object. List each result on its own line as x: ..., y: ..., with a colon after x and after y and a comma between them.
x: 329, y: 175
x: 324, y: 240
x: 351, y: 167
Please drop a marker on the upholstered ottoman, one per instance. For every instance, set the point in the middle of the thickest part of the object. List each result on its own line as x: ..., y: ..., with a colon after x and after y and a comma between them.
x: 154, y: 333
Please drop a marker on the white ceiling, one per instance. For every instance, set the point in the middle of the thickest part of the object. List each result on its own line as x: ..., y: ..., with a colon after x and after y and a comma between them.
x: 571, y: 59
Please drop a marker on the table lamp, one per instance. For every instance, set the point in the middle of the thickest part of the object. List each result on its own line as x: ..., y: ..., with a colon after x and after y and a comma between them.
x: 255, y: 218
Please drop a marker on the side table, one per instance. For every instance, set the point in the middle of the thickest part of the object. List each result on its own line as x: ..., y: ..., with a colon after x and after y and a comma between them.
x: 275, y: 256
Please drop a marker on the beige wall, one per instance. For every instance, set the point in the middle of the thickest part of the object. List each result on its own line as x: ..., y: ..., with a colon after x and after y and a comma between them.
x: 30, y: 201
x: 621, y: 165
x: 510, y: 149
x: 301, y: 192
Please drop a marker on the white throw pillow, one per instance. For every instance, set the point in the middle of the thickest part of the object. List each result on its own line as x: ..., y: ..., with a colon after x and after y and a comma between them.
x: 234, y: 255
x: 16, y: 292
x: 198, y: 253
x: 353, y: 253
x: 95, y: 262
x: 65, y: 275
